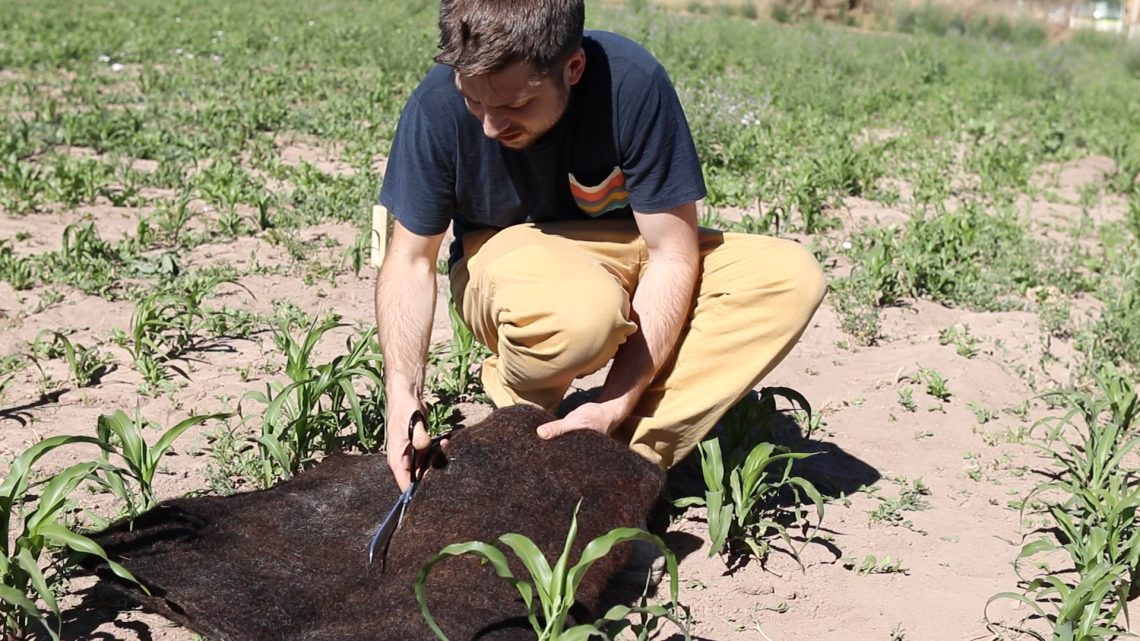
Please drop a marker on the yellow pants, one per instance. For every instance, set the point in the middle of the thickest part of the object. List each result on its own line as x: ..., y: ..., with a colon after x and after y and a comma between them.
x: 552, y: 302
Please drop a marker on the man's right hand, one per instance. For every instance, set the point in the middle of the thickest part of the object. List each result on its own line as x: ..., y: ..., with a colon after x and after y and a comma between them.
x: 400, y: 450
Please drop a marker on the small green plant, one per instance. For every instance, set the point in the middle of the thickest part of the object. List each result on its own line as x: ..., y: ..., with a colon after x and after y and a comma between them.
x: 906, y: 399
x: 1092, y: 501
x: 319, y: 410
x: 454, y: 378
x: 936, y: 385
x: 742, y: 510
x: 982, y: 414
x: 857, y: 306
x: 86, y: 365
x: 910, y: 499
x: 234, y: 464
x: 965, y: 343
x: 870, y: 564
x: 548, y: 592
x: 742, y: 484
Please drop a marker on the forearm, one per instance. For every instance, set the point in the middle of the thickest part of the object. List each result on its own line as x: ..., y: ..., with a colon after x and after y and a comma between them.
x: 660, y: 306
x: 405, y: 306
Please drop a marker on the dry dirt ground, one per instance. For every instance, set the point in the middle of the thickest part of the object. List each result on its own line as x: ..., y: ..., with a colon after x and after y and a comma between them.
x: 952, y: 556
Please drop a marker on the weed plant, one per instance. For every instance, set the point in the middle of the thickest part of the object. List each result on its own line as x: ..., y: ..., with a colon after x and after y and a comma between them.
x: 911, y: 498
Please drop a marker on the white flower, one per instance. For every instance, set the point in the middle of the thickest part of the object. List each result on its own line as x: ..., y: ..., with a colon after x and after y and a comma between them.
x: 104, y: 58
x: 847, y: 244
x: 117, y: 67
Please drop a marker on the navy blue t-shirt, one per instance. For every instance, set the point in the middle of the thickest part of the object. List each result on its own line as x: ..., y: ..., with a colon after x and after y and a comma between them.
x: 622, y: 145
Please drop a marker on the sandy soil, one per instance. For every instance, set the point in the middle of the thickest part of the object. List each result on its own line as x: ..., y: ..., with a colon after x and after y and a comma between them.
x: 954, y: 555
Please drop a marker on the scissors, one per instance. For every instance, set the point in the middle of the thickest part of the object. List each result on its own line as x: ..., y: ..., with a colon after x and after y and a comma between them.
x: 383, y: 535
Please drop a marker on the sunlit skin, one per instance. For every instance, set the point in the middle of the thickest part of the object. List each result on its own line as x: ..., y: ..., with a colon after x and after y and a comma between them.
x: 516, y: 105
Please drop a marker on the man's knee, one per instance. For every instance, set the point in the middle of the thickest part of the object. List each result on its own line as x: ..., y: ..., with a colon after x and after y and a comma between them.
x: 807, y: 276
x: 575, y: 331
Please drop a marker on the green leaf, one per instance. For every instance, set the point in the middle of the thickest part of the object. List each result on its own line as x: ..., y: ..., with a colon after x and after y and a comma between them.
x: 535, y: 563
x: 60, y: 536
x: 720, y: 518
x: 582, y: 632
x: 14, y: 597
x: 36, y: 576
x: 173, y: 433
x: 56, y: 492
x: 498, y: 562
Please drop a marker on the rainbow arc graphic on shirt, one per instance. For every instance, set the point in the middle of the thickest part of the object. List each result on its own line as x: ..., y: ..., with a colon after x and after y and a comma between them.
x: 611, y: 194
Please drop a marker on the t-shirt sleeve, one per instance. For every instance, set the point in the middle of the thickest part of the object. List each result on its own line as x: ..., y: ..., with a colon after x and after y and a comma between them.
x: 657, y: 153
x: 419, y: 183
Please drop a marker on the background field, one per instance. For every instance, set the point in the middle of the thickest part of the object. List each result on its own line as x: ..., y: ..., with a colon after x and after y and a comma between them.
x: 185, y: 190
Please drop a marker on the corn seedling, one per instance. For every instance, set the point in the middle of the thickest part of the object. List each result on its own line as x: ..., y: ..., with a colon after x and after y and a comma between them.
x: 312, y: 412
x: 165, y: 325
x: 122, y: 436
x: 1095, y: 516
x: 454, y: 377
x: 744, y: 480
x: 742, y: 510
x: 86, y: 365
x: 548, y: 592
x: 39, y: 536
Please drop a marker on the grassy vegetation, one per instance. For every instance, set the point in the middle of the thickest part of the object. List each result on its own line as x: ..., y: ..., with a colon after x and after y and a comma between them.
x: 177, y: 113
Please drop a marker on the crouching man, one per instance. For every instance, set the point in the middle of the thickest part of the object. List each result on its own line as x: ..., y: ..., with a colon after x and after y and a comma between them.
x: 564, y: 163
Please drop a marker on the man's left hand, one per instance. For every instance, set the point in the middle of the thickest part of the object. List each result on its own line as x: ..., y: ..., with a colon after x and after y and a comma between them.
x: 590, y: 416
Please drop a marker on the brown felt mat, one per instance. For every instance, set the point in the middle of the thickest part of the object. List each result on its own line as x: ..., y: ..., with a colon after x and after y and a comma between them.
x: 290, y: 563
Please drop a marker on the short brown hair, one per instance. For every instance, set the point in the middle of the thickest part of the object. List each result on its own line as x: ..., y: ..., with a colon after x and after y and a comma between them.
x: 478, y: 37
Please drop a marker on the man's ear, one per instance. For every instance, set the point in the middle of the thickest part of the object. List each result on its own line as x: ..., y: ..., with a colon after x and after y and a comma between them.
x: 575, y: 67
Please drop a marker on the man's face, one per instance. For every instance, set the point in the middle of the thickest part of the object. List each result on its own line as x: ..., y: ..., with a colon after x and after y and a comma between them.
x: 517, y: 106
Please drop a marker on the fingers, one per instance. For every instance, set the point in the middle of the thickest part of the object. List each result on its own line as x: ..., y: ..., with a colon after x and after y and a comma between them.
x: 401, y: 469
x: 398, y: 446
x: 553, y: 429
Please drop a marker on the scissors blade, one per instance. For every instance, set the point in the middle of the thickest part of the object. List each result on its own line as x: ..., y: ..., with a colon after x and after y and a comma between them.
x: 383, y: 534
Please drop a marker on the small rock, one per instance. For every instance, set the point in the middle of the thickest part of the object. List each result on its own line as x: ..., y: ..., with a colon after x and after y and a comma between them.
x: 758, y: 589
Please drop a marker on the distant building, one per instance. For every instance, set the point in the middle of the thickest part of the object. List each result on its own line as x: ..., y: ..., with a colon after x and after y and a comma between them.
x: 1103, y: 16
